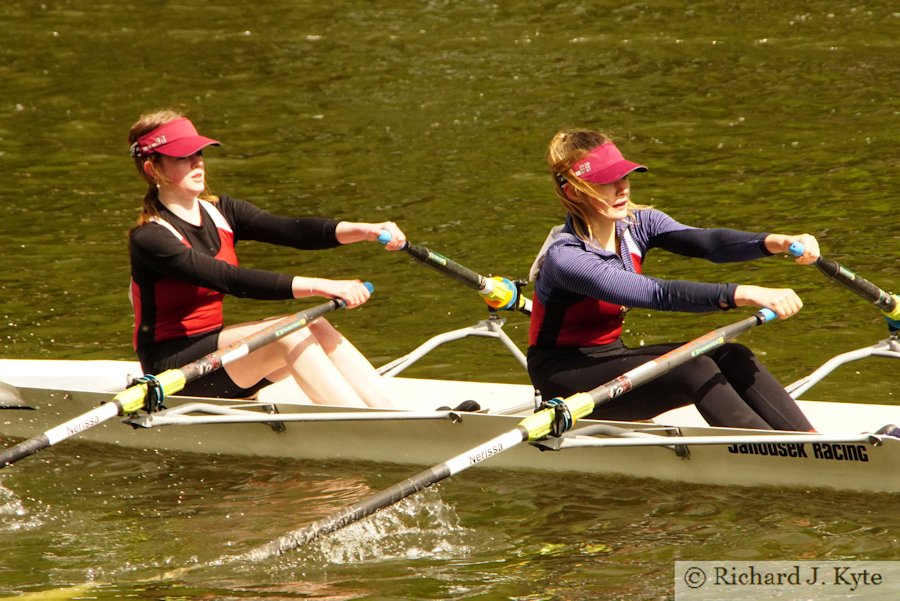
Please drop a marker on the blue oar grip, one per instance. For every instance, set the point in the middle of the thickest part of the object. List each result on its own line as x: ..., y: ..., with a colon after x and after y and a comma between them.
x: 766, y: 315
x: 341, y: 303
x: 797, y: 249
x: 384, y: 237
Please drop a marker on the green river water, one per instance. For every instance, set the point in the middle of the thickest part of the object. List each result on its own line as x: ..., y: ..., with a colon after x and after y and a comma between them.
x: 759, y: 115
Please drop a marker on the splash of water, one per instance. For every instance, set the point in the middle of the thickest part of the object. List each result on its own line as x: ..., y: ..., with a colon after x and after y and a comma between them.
x: 14, y: 517
x: 418, y: 527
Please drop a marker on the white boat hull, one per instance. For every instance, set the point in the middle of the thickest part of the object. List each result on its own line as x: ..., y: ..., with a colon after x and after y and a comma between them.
x: 48, y: 393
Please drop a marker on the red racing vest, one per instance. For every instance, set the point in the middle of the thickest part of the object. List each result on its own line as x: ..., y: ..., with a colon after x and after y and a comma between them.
x: 181, y: 309
x: 572, y: 320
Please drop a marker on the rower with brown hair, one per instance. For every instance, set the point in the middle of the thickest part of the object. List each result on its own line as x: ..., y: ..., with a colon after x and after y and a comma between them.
x: 183, y: 263
x: 590, y: 273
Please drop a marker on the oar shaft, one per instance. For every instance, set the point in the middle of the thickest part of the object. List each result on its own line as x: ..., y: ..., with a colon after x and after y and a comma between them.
x: 855, y: 283
x: 580, y: 405
x: 668, y: 361
x: 499, y: 293
x: 257, y: 340
x: 533, y: 427
x: 446, y: 266
x: 345, y: 516
x: 174, y: 380
x: 385, y: 498
x: 59, y: 433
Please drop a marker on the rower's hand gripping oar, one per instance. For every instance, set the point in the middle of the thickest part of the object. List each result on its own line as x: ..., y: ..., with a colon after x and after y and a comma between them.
x: 498, y: 292
x: 887, y: 302
x: 148, y: 392
x: 559, y: 416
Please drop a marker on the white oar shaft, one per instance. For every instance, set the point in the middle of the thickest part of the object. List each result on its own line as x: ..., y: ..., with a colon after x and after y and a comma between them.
x: 82, y: 422
x: 495, y: 446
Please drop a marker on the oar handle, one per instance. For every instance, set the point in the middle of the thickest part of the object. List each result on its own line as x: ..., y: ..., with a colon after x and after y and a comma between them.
x: 887, y: 302
x: 448, y: 267
x: 385, y: 236
x: 498, y: 292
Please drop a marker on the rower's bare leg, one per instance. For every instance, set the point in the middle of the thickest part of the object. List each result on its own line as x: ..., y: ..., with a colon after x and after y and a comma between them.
x: 297, y: 354
x: 302, y: 395
x: 357, y: 370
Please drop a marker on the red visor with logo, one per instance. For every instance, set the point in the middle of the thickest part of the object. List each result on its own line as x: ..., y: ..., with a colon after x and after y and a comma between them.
x: 177, y: 138
x: 604, y: 165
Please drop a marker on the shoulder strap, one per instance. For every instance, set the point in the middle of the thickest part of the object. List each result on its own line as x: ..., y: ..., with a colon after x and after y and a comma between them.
x: 217, y: 216
x: 631, y: 244
x: 539, y: 259
x: 214, y: 213
x: 168, y: 226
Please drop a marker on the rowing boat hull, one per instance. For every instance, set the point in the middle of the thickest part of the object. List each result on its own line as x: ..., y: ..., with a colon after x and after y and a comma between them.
x: 30, y: 410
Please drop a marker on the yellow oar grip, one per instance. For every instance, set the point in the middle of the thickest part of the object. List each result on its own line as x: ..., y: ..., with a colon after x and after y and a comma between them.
x: 580, y: 405
x: 132, y: 398
x: 895, y: 314
x: 540, y: 424
x: 172, y: 381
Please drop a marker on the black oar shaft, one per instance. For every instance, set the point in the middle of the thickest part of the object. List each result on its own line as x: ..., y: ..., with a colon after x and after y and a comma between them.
x: 347, y: 516
x: 678, y: 356
x: 23, y: 449
x: 496, y: 293
x: 257, y: 340
x: 857, y: 284
x: 446, y: 266
x: 581, y: 405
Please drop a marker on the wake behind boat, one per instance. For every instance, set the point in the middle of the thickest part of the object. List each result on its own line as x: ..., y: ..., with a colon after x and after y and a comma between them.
x: 847, y: 454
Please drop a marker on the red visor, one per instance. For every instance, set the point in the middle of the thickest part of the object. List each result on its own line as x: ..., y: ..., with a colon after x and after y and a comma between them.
x: 604, y: 165
x: 177, y: 138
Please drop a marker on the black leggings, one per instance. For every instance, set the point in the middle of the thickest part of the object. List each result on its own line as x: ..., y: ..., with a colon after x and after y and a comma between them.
x: 728, y: 385
x: 176, y: 353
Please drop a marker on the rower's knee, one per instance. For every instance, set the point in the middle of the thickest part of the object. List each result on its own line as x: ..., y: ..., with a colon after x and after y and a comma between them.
x: 736, y: 351
x: 699, y: 374
x: 326, y: 335
x: 295, y: 343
